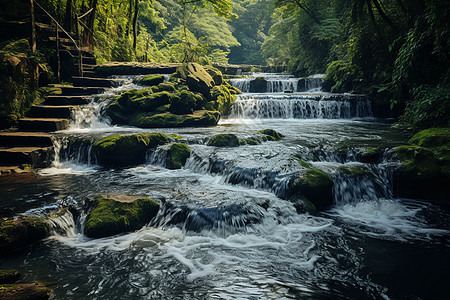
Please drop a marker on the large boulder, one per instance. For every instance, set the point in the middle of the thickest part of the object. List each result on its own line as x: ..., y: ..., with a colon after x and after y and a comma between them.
x: 177, y: 155
x: 258, y: 85
x: 18, y: 233
x: 425, y: 170
x: 200, y: 118
x: 149, y: 80
x: 114, y: 214
x: 196, y: 78
x: 189, y: 99
x: 126, y: 150
x: 224, y: 140
x: 314, y: 186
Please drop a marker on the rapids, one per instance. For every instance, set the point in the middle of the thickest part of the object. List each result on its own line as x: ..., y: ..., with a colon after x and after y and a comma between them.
x: 224, y: 230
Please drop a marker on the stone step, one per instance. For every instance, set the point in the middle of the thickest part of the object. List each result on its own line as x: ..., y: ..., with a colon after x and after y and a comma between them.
x: 43, y: 124
x: 67, y: 100
x: 34, y: 156
x: 89, y: 60
x: 89, y: 74
x: 61, y: 40
x: 88, y: 67
x: 93, y: 82
x: 23, y: 138
x: 51, y: 111
x: 81, y: 91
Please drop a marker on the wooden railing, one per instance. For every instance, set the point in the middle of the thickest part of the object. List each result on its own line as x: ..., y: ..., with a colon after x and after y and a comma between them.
x: 57, y: 28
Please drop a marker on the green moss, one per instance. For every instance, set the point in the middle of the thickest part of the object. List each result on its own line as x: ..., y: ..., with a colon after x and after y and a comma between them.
x: 198, y: 118
x: 221, y: 99
x: 304, y: 164
x: 109, y: 217
x: 119, y: 151
x: 354, y: 171
x: 184, y: 103
x: 176, y: 136
x: 215, y: 74
x: 224, y: 140
x: 149, y: 80
x: 117, y: 113
x: 165, y: 86
x: 21, y: 232
x: 196, y: 78
x: 315, y: 186
x: 431, y: 138
x: 272, y: 135
x: 177, y: 155
x: 150, y: 102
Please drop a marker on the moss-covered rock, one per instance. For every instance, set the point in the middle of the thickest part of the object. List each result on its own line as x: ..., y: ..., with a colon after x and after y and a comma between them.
x: 110, y: 217
x: 224, y: 140
x: 9, y: 276
x: 371, y: 155
x: 272, y: 135
x: 18, y: 233
x: 25, y: 291
x: 215, y: 74
x: 177, y: 155
x: 314, y: 186
x: 432, y: 138
x: 184, y: 103
x: 126, y: 150
x: 196, y: 78
x: 425, y: 170
x: 149, y: 80
x: 221, y: 99
x: 258, y: 85
x: 150, y: 102
x: 200, y: 118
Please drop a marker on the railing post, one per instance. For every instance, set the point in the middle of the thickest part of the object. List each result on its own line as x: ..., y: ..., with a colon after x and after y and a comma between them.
x: 33, y: 28
x: 58, y: 69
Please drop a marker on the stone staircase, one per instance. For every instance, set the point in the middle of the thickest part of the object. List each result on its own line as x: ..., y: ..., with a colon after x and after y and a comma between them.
x: 30, y: 144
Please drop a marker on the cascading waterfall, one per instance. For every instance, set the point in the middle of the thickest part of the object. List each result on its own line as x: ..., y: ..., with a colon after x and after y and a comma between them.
x: 300, y: 107
x: 225, y: 211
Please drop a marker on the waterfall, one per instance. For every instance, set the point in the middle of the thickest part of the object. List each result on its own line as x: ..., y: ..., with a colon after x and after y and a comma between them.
x: 300, y: 107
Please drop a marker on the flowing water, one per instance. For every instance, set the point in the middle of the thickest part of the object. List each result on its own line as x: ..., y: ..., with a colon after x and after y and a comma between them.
x: 224, y: 230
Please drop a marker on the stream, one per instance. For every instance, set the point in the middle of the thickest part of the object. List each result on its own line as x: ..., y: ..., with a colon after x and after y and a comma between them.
x: 224, y: 230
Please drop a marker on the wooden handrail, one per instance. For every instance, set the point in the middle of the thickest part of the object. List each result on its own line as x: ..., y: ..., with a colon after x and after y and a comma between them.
x: 85, y: 14
x: 80, y: 57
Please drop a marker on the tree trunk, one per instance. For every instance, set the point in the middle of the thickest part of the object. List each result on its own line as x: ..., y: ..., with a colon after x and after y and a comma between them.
x: 136, y: 11
x: 33, y: 28
x: 68, y: 20
x: 90, y: 23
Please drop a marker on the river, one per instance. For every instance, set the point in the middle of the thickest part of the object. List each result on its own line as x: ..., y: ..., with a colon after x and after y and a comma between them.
x: 224, y: 230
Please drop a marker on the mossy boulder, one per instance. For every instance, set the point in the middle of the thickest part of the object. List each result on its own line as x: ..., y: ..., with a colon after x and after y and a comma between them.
x: 221, y: 99
x: 272, y: 135
x: 371, y: 155
x: 110, y: 216
x: 185, y: 102
x: 258, y: 85
x: 200, y: 118
x: 25, y: 291
x: 18, y: 233
x: 224, y: 140
x: 196, y: 78
x: 177, y: 155
x: 425, y: 170
x: 149, y: 80
x: 215, y: 74
x: 126, y: 150
x: 314, y: 186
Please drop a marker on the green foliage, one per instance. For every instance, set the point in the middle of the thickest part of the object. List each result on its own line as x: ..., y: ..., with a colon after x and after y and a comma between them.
x: 430, y: 107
